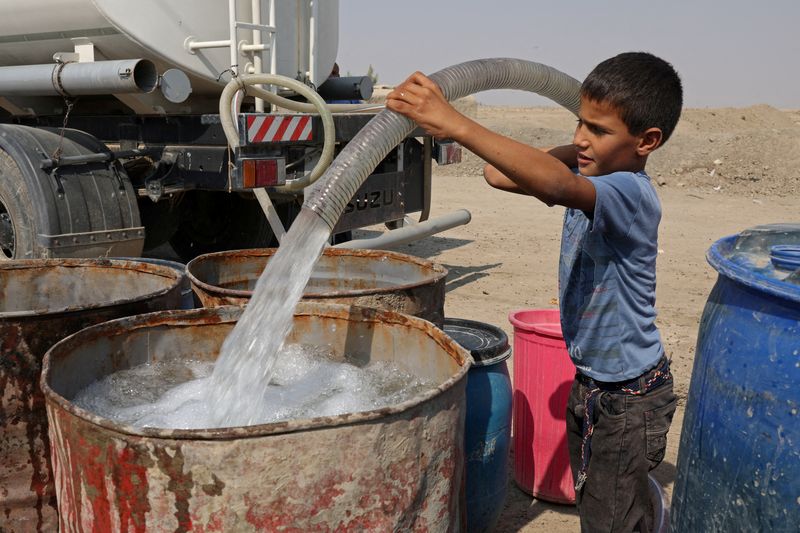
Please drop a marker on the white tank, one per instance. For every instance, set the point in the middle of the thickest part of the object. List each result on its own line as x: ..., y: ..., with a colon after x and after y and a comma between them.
x: 31, y: 31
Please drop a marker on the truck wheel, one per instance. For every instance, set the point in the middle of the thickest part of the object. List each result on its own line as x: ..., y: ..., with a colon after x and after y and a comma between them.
x: 17, y: 228
x: 217, y: 221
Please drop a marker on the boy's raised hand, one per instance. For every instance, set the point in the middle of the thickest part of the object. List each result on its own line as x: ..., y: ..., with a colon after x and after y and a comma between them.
x: 421, y: 100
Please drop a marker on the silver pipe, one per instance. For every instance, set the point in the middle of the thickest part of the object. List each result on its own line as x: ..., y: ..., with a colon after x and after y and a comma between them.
x: 76, y: 79
x: 361, y: 155
x: 200, y: 45
x: 234, y: 39
x: 411, y: 233
x: 312, y: 42
x: 255, y: 7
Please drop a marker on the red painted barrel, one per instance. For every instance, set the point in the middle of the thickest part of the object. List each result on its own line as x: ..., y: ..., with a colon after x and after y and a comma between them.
x: 543, y: 375
x: 397, y: 468
x: 41, y: 302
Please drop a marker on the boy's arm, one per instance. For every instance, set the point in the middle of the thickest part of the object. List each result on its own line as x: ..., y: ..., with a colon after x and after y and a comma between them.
x: 566, y: 154
x: 531, y: 171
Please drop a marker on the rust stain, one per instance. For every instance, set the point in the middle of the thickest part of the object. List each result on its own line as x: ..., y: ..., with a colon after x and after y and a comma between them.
x: 25, y: 336
x: 114, y: 478
x: 93, y: 481
x: 130, y: 480
x: 213, y: 489
x: 180, y: 483
x: 24, y: 443
x: 216, y: 523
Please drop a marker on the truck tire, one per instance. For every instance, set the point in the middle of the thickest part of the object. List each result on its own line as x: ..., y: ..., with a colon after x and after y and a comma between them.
x: 84, y: 210
x: 213, y: 221
x: 17, y: 227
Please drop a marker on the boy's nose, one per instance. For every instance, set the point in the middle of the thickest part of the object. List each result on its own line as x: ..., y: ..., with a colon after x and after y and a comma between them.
x: 580, y: 140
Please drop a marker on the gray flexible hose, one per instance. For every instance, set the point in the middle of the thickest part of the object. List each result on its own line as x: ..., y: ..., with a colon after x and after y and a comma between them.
x: 361, y: 155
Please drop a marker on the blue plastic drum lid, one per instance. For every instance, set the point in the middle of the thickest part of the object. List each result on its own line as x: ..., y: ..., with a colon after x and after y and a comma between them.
x: 765, y: 258
x: 488, y: 344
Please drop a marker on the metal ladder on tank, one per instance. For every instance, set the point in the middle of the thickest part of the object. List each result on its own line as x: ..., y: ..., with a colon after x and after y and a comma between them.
x: 263, y: 41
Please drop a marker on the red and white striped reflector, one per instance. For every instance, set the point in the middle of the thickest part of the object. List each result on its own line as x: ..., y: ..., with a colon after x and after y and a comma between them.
x: 277, y: 128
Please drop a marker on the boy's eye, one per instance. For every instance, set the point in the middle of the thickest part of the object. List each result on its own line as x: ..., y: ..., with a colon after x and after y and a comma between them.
x: 592, y: 127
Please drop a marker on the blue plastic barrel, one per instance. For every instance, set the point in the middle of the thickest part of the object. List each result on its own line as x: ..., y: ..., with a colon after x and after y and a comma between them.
x: 739, y: 457
x: 487, y: 431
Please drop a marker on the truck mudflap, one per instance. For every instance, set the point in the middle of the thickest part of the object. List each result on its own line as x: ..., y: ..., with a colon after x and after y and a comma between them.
x: 64, y: 210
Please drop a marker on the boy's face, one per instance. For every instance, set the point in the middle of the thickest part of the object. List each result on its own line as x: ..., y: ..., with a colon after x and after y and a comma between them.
x: 603, y: 141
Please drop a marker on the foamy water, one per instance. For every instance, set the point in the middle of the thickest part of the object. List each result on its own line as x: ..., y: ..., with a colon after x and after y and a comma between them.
x: 306, y: 383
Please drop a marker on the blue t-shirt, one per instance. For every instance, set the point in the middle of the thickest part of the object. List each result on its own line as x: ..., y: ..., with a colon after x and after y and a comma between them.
x: 607, y: 279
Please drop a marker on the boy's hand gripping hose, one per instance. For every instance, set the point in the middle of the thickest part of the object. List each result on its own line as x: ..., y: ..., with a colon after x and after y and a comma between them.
x: 359, y: 158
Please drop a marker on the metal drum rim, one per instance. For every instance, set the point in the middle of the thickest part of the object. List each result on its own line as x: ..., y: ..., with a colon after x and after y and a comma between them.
x: 152, y: 268
x: 740, y: 274
x: 230, y: 313
x: 439, y: 272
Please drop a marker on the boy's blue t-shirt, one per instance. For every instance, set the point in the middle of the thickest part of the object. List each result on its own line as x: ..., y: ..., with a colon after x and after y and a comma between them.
x: 607, y: 279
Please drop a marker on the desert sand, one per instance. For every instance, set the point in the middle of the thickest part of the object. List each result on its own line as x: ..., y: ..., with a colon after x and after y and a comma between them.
x: 724, y: 170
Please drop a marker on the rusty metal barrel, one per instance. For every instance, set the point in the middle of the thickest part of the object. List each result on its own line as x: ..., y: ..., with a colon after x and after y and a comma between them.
x: 366, y: 278
x: 41, y: 302
x: 395, y: 468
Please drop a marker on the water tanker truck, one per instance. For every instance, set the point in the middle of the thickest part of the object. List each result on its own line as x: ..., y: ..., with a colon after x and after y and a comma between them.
x: 125, y: 126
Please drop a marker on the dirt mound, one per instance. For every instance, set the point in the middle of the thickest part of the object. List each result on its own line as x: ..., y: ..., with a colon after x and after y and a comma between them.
x: 751, y: 151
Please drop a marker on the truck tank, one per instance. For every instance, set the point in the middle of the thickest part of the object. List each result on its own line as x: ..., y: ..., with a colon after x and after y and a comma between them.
x: 163, y: 32
x: 96, y: 160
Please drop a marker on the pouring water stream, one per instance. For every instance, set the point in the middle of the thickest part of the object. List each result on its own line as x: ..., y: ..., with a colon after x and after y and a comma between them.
x: 248, y: 355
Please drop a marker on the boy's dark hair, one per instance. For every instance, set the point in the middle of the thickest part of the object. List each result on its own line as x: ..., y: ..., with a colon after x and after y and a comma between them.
x: 645, y: 90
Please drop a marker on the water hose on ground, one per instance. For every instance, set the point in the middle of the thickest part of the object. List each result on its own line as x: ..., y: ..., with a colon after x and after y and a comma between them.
x: 387, y: 129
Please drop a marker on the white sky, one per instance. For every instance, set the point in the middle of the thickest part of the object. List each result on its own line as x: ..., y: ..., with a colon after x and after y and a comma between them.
x: 728, y: 52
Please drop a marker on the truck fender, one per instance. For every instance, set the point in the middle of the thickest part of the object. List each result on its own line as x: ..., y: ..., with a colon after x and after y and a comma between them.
x: 80, y: 210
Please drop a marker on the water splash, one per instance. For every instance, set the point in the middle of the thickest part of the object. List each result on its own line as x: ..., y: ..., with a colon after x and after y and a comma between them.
x: 244, y: 367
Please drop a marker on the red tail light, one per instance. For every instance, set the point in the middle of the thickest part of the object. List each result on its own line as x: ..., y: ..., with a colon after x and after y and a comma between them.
x: 262, y: 172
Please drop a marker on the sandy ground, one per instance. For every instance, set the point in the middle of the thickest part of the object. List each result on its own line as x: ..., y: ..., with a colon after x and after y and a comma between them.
x: 723, y: 171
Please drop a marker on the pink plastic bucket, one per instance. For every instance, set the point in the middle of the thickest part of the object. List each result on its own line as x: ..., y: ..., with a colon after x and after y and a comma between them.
x: 543, y: 375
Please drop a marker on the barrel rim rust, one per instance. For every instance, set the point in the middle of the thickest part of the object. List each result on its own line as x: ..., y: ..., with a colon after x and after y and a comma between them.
x: 158, y: 270
x: 231, y: 313
x: 440, y: 271
x: 745, y: 276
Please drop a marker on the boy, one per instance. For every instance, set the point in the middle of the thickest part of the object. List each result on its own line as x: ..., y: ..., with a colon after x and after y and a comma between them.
x: 621, y: 403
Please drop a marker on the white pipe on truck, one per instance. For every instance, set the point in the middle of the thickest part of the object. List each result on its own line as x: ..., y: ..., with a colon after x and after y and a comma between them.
x: 411, y: 233
x: 76, y: 79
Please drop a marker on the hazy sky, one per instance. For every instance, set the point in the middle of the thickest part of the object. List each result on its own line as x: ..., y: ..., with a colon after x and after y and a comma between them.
x: 728, y: 52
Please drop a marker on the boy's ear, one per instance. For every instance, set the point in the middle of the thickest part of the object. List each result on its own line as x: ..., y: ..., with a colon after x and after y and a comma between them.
x: 649, y: 141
